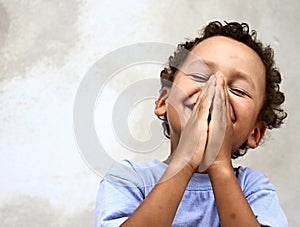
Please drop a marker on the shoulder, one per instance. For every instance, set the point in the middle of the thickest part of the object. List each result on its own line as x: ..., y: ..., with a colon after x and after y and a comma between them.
x: 123, y: 188
x: 251, y: 180
x: 261, y: 196
x: 139, y: 174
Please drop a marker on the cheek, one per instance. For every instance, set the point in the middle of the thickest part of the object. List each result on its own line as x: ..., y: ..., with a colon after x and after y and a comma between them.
x: 244, y: 108
x: 174, y: 118
x: 246, y: 112
x: 245, y: 116
x: 177, y: 113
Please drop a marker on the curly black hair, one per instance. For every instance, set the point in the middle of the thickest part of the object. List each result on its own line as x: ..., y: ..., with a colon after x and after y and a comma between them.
x: 271, y: 113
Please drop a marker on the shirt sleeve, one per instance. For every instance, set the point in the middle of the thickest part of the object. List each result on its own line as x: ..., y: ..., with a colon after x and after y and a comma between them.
x: 265, y: 206
x: 118, y: 196
x: 263, y: 200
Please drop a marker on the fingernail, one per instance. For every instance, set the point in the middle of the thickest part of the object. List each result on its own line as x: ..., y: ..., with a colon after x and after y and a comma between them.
x: 219, y: 74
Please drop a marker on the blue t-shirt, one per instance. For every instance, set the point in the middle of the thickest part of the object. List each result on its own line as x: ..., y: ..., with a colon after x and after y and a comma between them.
x: 127, y: 184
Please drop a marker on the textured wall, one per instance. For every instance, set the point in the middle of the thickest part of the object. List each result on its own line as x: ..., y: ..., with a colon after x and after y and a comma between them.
x: 46, y: 47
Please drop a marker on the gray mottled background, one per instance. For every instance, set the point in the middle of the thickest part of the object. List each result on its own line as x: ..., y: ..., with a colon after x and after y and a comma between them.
x: 46, y: 48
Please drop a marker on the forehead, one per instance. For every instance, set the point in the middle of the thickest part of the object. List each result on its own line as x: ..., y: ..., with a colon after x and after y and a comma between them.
x: 230, y: 57
x: 221, y: 49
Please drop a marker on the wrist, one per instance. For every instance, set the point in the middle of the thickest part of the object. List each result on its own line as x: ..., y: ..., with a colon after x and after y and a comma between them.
x: 222, y: 168
x: 182, y: 171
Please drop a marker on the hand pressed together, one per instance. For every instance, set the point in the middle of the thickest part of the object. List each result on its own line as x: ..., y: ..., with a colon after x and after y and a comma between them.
x: 206, y: 136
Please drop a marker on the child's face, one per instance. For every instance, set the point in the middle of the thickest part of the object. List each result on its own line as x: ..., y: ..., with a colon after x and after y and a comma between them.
x: 244, y: 74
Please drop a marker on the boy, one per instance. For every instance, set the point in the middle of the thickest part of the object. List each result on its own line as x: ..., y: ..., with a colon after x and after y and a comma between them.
x: 216, y: 102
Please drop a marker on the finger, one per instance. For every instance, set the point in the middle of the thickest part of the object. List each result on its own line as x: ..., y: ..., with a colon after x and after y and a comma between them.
x: 193, y: 138
x: 195, y: 131
x: 205, y: 98
x: 217, y: 129
x: 225, y: 97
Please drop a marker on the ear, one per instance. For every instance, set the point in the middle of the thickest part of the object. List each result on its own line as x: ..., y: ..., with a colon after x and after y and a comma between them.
x: 256, y: 135
x: 160, y: 104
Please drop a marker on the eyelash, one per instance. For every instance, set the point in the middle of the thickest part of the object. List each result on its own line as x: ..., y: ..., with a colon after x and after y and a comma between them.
x: 204, y: 78
x: 239, y: 92
x: 199, y: 77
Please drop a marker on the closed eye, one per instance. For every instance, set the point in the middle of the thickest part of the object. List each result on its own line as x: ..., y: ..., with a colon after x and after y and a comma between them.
x: 239, y: 92
x: 199, y: 77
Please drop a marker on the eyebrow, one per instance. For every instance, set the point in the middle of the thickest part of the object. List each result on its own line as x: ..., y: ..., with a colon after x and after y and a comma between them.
x: 245, y: 76
x: 196, y: 62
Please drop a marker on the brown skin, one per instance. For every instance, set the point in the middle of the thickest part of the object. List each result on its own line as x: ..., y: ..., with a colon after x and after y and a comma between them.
x: 236, y: 67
